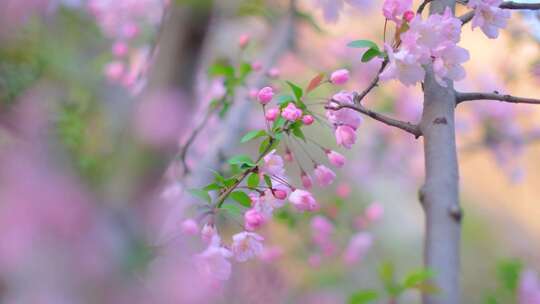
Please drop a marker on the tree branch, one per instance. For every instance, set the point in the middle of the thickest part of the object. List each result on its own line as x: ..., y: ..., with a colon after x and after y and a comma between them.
x: 405, y: 126
x: 506, y: 5
x: 461, y: 97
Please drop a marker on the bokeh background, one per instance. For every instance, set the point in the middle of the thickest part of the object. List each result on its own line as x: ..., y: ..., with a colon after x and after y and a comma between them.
x: 97, y: 98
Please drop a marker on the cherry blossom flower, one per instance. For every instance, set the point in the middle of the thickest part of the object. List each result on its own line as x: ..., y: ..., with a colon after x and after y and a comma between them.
x: 394, y: 9
x: 247, y: 245
x: 272, y: 114
x: 343, y: 116
x: 358, y: 246
x: 189, y: 226
x: 273, y: 164
x: 345, y: 136
x: 243, y: 40
x: 324, y: 175
x: 446, y: 64
x: 529, y: 288
x: 489, y: 17
x: 253, y: 219
x: 213, y: 262
x: 403, y: 66
x: 307, y: 120
x: 374, y: 212
x: 306, y: 180
x: 302, y: 200
x: 291, y: 112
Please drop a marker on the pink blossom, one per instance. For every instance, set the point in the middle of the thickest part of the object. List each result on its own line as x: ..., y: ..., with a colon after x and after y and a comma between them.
x: 307, y: 120
x: 247, y: 245
x: 343, y: 116
x: 357, y: 247
x: 288, y: 155
x: 114, y: 71
x: 265, y: 95
x: 374, y: 212
x: 447, y: 62
x: 303, y: 200
x: 345, y: 136
x: 306, y: 180
x: 272, y: 114
x: 403, y: 66
x: 119, y: 49
x: 529, y: 288
x: 343, y: 190
x: 213, y: 262
x: 280, y: 194
x: 274, y: 73
x: 324, y: 175
x: 256, y: 66
x: 489, y: 17
x: 190, y: 226
x: 291, y: 112
x: 243, y: 40
x: 339, y: 77
x: 394, y: 9
x: 335, y: 158
x: 273, y: 164
x: 130, y: 30
x: 270, y: 254
x: 253, y: 219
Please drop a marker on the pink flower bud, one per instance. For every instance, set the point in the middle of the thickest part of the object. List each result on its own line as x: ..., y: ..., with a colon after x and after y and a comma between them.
x: 306, y: 181
x: 335, y: 158
x: 343, y: 190
x: 324, y: 175
x: 114, y: 71
x: 119, y: 49
x: 272, y: 114
x: 307, y: 120
x: 130, y: 30
x: 374, y: 212
x: 256, y: 66
x: 243, y: 40
x: 288, y: 155
x: 274, y: 73
x: 265, y: 95
x: 302, y: 200
x: 408, y: 16
x: 339, y: 77
x: 291, y: 112
x: 189, y: 226
x: 280, y: 194
x: 253, y: 219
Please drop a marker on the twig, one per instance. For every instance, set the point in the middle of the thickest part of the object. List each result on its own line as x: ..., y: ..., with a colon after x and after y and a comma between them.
x: 461, y: 97
x: 506, y: 5
x: 422, y: 6
x: 373, y: 83
x: 405, y: 126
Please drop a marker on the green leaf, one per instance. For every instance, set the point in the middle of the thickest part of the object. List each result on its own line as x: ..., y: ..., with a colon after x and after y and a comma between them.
x: 297, y: 131
x: 363, y: 296
x: 298, y: 92
x: 232, y: 210
x: 370, y: 54
x: 221, y: 69
x: 200, y: 194
x: 416, y: 278
x: 212, y: 187
x: 244, y: 70
x: 268, y: 181
x: 241, y: 197
x: 241, y: 160
x: 491, y: 299
x: 363, y: 44
x: 218, y: 177
x: 508, y: 272
x: 253, y: 180
x: 280, y: 122
x: 252, y: 135
x: 230, y: 182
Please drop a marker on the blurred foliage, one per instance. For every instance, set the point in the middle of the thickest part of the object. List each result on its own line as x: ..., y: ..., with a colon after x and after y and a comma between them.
x: 508, y: 273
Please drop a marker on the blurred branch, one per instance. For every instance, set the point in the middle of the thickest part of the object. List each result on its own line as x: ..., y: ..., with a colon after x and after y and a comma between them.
x: 465, y: 18
x: 530, y: 137
x: 226, y: 138
x: 461, y: 97
x: 422, y: 7
x: 405, y: 126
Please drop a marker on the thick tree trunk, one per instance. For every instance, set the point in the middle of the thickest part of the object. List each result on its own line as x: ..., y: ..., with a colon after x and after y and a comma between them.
x: 440, y: 194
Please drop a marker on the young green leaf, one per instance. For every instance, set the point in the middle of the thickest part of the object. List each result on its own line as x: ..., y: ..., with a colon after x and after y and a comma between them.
x: 298, y: 92
x: 363, y: 296
x: 241, y: 160
x: 252, y: 135
x: 241, y: 197
x: 297, y: 131
x: 416, y: 278
x: 268, y: 181
x: 253, y: 180
x: 370, y: 54
x: 200, y: 194
x: 363, y: 44
x: 212, y: 187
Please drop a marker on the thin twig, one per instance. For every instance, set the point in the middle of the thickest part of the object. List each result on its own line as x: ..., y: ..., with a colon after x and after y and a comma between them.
x: 405, y: 126
x: 506, y: 5
x: 461, y: 97
x: 422, y: 6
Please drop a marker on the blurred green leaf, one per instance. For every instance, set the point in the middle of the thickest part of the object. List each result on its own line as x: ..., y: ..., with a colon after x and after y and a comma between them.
x: 200, y: 194
x: 297, y: 90
x: 508, y: 272
x: 241, y: 160
x: 253, y: 180
x: 241, y: 197
x: 252, y: 135
x: 363, y: 296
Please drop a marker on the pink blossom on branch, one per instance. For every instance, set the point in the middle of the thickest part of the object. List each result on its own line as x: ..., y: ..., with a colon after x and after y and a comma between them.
x: 291, y: 112
x: 265, y: 95
x: 253, y: 219
x: 302, y: 200
x: 213, y: 262
x: 335, y: 158
x: 345, y: 136
x: 324, y: 175
x: 273, y: 164
x: 488, y: 16
x: 247, y: 245
x: 339, y: 77
x: 394, y: 9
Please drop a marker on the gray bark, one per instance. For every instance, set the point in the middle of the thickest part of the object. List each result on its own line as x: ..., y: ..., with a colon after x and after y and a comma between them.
x: 440, y: 194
